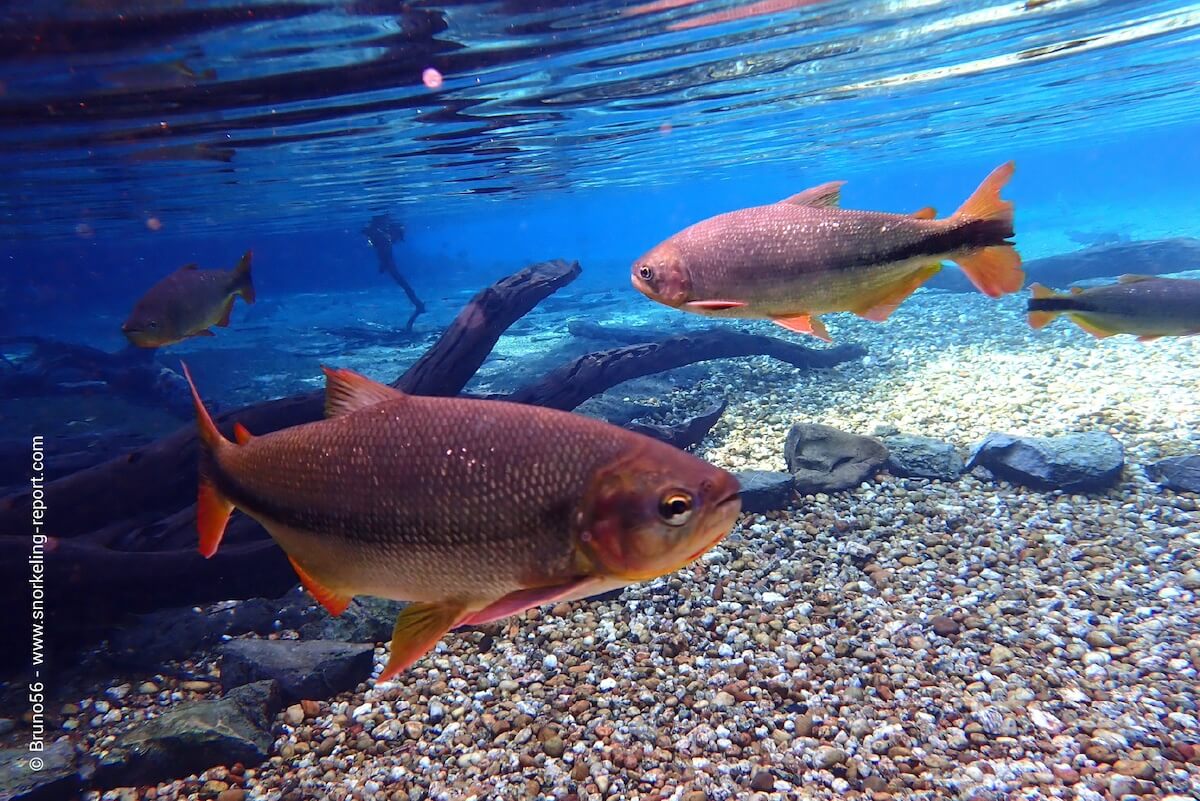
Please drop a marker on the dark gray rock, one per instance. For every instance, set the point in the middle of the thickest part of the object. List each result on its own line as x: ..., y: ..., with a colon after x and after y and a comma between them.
x: 823, y: 459
x: 1179, y: 473
x: 1073, y: 462
x: 194, y: 737
x: 367, y: 619
x: 304, y: 668
x: 57, y: 778
x: 765, y: 490
x: 1150, y: 257
x: 923, y: 457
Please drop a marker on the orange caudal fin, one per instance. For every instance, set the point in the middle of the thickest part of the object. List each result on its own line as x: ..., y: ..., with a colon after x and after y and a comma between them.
x: 1037, y: 316
x: 994, y: 271
x: 986, y: 204
x: 212, y: 508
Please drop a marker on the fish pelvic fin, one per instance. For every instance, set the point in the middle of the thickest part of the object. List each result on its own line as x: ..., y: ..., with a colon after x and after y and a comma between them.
x: 334, y: 602
x: 417, y: 629
x: 212, y: 508
x: 804, y: 324
x: 347, y: 391
x: 986, y: 204
x: 242, y: 283
x: 1039, y: 315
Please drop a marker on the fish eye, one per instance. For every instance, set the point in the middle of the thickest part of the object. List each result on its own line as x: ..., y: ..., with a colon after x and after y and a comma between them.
x: 675, y: 508
x: 645, y: 272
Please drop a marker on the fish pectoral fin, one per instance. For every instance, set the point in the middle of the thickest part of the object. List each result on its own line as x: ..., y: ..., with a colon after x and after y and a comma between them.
x: 827, y: 196
x: 417, y: 629
x: 715, y: 305
x: 1134, y: 278
x: 994, y: 271
x: 346, y: 391
x: 517, y: 602
x: 334, y: 602
x: 926, y: 213
x: 882, y: 306
x: 804, y: 324
x: 225, y: 312
x: 1090, y: 327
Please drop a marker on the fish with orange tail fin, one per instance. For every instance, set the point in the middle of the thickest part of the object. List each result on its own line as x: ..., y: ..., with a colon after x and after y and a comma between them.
x: 1146, y: 306
x: 187, y: 303
x: 802, y: 257
x: 471, y: 510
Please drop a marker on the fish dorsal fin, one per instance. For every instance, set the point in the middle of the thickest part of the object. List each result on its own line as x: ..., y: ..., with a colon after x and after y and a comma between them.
x: 346, y: 391
x: 190, y: 266
x: 1133, y: 278
x: 927, y: 213
x: 827, y: 196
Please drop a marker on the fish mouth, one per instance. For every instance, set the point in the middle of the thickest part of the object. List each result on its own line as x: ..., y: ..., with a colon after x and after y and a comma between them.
x: 726, y: 512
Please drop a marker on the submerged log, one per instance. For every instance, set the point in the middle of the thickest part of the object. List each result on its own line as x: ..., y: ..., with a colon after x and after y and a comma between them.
x: 685, y: 433
x: 68, y: 368
x: 124, y: 529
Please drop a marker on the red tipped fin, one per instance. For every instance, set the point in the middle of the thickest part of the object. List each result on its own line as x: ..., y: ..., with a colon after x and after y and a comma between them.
x: 212, y: 514
x: 994, y: 271
x: 715, y: 305
x: 346, y: 391
x: 516, y: 602
x: 240, y: 434
x: 824, y: 196
x: 804, y: 324
x: 335, y: 603
x: 417, y: 629
x: 986, y: 203
x: 927, y: 213
x: 209, y: 434
x: 242, y: 283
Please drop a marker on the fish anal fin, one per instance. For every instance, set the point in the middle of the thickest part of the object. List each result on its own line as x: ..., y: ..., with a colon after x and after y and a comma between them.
x: 225, y: 312
x: 804, y: 324
x: 1090, y: 327
x: 335, y: 603
x: 994, y: 271
x: 882, y: 306
x: 517, y: 602
x: 240, y: 434
x: 1134, y: 278
x: 827, y: 195
x: 926, y: 213
x: 347, y: 391
x: 212, y: 514
x: 417, y: 629
x: 715, y: 305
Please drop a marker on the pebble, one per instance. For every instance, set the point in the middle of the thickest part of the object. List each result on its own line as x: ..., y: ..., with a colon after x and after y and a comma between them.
x: 828, y: 756
x: 945, y: 626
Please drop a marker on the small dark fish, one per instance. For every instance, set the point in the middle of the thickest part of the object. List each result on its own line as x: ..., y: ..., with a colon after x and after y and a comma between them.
x: 187, y: 303
x: 1145, y: 305
x: 168, y: 75
x: 471, y: 509
x: 802, y: 257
